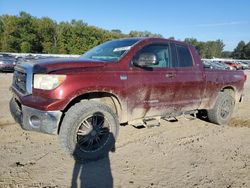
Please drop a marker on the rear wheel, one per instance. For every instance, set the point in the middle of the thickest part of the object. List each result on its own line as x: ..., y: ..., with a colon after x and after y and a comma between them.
x: 223, y: 109
x: 89, y: 130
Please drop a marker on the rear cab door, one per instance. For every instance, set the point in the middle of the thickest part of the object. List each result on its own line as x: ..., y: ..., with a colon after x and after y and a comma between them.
x: 189, y: 77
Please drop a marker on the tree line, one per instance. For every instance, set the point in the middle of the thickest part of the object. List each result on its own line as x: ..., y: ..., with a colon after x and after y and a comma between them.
x: 212, y: 49
x: 242, y: 51
x: 27, y: 34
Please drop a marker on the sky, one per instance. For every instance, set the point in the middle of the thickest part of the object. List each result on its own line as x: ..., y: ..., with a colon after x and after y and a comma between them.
x: 228, y: 20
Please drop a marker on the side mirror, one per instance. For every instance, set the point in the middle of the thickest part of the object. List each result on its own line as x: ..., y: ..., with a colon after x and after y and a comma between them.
x: 146, y: 59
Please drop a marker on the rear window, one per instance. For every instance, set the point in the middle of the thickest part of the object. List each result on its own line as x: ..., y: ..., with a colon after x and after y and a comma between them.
x: 184, y: 56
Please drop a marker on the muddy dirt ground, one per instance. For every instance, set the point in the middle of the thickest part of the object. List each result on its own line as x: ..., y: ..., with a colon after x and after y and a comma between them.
x: 187, y: 153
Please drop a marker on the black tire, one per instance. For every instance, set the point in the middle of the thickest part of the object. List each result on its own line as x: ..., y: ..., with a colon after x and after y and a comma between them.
x: 222, y: 110
x: 89, y: 130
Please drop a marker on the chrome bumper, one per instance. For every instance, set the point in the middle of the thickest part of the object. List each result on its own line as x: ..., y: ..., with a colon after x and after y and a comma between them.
x: 35, y: 120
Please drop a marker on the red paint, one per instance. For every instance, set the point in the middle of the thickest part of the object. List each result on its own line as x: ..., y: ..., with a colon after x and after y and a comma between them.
x: 143, y: 93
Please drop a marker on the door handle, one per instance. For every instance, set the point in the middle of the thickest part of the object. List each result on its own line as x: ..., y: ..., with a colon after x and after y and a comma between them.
x: 170, y: 75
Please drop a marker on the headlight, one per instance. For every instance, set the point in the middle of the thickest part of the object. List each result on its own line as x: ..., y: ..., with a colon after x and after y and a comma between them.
x: 1, y: 62
x: 48, y: 82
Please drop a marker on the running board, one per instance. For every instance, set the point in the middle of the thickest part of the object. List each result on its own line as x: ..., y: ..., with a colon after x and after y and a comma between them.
x: 155, y: 121
x: 152, y: 122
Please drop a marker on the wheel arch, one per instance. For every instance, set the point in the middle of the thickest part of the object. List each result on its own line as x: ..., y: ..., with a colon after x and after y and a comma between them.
x: 230, y: 89
x: 110, y: 99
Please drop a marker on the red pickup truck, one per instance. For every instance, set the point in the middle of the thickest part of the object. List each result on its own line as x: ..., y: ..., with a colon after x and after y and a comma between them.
x: 125, y: 81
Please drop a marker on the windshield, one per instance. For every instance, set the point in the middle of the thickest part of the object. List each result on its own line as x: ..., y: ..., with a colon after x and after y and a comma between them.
x: 110, y: 51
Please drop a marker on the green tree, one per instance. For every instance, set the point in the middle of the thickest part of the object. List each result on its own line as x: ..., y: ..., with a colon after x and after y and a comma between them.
x: 238, y: 52
x: 27, y: 34
x: 226, y: 54
x: 207, y: 49
x: 1, y: 32
x: 10, y: 35
x: 63, y: 35
x: 25, y: 47
x: 117, y: 31
x: 46, y: 33
x: 191, y: 41
x: 246, y: 51
x: 214, y: 48
x: 143, y: 34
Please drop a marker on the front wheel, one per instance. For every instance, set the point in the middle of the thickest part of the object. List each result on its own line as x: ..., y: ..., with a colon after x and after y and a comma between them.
x: 89, y: 130
x: 222, y: 110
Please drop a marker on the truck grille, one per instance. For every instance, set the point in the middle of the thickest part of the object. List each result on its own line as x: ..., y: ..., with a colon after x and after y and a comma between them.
x: 19, y: 81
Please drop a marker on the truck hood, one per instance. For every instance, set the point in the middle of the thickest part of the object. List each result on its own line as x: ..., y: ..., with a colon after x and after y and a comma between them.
x: 66, y: 64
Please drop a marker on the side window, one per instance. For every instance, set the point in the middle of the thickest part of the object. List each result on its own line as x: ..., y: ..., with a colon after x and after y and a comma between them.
x: 162, y: 53
x: 174, y: 55
x: 184, y: 56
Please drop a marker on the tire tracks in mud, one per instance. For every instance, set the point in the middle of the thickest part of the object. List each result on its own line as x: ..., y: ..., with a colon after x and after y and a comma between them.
x: 6, y: 122
x: 238, y: 122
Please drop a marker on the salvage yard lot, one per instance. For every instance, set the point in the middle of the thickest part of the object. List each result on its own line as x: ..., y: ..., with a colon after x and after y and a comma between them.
x: 187, y: 153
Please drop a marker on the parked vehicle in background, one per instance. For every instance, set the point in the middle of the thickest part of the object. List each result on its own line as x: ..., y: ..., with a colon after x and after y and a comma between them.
x: 244, y: 65
x: 239, y: 65
x: 247, y: 63
x: 33, y: 58
x: 216, y: 65
x: 221, y: 66
x: 233, y: 64
x: 135, y: 81
x: 207, y: 64
x: 7, y: 63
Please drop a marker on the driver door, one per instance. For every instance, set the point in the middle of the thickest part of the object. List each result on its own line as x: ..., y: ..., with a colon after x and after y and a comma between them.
x: 151, y: 89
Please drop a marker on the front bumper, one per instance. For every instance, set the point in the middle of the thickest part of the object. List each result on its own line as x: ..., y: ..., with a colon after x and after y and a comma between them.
x: 35, y: 120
